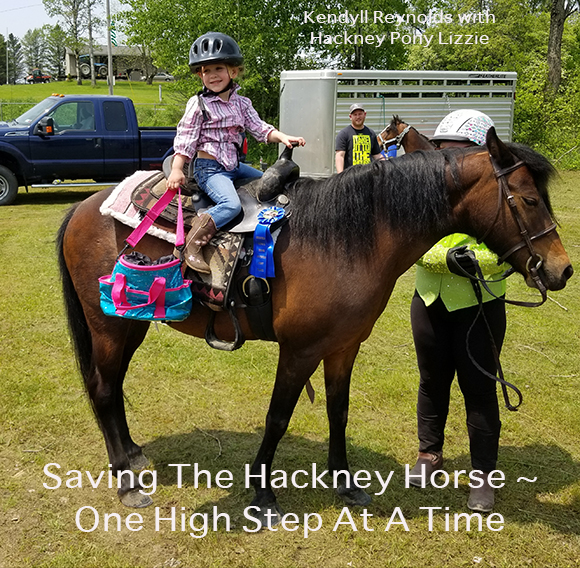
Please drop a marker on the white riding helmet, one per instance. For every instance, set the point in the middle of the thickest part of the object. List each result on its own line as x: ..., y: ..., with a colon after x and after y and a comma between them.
x: 464, y: 125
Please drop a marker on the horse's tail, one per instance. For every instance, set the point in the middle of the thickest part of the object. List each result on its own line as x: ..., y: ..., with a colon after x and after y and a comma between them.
x: 77, y: 321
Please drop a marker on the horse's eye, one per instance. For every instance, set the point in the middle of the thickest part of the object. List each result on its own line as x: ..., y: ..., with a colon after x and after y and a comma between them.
x: 530, y: 201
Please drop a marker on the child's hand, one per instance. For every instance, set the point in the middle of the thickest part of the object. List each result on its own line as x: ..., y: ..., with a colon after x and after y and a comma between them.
x: 291, y: 141
x: 176, y: 179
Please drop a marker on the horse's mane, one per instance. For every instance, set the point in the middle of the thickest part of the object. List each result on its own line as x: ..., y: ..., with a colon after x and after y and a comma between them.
x: 340, y: 213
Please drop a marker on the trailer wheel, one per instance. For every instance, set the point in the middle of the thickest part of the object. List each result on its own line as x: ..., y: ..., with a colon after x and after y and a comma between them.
x: 8, y: 186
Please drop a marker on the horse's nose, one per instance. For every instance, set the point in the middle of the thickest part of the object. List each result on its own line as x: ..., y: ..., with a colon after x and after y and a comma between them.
x: 568, y: 272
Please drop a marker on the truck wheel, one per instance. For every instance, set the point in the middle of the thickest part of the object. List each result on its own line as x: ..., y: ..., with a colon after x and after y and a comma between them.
x: 8, y: 186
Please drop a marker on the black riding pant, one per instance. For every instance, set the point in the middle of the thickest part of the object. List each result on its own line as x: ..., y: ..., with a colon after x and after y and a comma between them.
x: 440, y: 343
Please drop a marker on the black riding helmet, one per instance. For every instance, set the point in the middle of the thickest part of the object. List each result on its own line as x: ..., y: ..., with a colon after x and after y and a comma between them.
x: 213, y: 47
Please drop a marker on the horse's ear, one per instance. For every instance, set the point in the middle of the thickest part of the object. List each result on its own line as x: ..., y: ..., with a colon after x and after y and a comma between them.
x: 498, y: 149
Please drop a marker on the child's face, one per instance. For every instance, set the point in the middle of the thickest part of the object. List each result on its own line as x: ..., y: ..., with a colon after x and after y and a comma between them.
x: 216, y: 76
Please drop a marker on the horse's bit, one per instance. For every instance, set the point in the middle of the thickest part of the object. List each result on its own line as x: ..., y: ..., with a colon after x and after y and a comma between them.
x: 398, y: 140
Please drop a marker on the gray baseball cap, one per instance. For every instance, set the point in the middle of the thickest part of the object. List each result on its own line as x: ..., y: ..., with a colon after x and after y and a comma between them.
x: 356, y: 106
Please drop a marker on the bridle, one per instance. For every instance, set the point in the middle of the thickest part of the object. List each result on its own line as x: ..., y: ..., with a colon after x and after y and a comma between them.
x: 533, y: 265
x: 535, y: 261
x: 398, y: 140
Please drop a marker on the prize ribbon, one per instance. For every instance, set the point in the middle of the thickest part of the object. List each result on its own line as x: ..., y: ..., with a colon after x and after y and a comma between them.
x: 262, y: 265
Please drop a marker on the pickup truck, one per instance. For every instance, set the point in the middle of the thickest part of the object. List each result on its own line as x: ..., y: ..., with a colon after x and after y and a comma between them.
x: 78, y: 137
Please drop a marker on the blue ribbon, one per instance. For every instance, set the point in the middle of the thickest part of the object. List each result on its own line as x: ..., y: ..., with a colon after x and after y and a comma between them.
x: 262, y: 265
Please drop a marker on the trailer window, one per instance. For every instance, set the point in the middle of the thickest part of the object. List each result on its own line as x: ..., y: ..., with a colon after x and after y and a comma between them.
x: 115, y: 116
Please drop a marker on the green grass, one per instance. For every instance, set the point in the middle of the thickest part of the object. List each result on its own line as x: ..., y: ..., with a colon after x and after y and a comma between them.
x: 156, y: 105
x: 187, y: 403
x: 139, y: 91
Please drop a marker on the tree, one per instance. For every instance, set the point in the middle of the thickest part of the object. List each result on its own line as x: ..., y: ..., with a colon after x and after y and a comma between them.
x: 15, y: 65
x: 34, y: 49
x: 561, y: 10
x: 55, y: 49
x: 74, y: 16
x: 271, y: 35
x: 517, y: 38
x: 336, y: 43
x: 3, y: 47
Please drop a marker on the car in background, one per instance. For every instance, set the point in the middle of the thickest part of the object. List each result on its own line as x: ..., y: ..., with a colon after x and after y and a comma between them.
x: 162, y: 76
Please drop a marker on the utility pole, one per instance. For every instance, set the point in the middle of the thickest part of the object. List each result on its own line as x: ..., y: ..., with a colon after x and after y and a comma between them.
x: 6, y: 44
x: 109, y: 49
x: 91, y: 46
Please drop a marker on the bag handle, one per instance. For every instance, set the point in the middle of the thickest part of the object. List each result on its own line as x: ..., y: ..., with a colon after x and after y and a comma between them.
x: 153, y: 213
x: 155, y: 295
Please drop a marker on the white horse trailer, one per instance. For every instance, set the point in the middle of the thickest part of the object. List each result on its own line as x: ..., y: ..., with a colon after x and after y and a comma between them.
x: 315, y: 104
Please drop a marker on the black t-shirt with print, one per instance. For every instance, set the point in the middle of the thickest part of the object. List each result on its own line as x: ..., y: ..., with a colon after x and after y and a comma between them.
x: 358, y: 145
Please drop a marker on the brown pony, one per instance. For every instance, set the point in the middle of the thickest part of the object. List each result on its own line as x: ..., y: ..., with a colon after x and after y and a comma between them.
x: 400, y: 133
x: 337, y: 260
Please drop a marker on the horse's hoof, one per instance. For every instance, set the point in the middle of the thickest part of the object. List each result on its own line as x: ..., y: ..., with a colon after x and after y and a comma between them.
x: 138, y: 462
x: 354, y: 497
x: 269, y: 515
x: 135, y: 499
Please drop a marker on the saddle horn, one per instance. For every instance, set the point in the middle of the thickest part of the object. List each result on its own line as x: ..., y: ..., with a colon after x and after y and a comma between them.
x: 275, y: 178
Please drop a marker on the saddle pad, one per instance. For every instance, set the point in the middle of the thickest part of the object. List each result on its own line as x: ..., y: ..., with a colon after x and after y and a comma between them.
x: 119, y: 205
x: 145, y: 195
x: 221, y: 253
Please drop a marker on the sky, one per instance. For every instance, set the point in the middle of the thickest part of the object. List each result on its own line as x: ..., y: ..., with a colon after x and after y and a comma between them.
x: 18, y: 20
x: 31, y: 14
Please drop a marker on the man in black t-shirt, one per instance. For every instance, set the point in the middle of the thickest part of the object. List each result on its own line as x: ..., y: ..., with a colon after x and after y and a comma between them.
x: 357, y: 143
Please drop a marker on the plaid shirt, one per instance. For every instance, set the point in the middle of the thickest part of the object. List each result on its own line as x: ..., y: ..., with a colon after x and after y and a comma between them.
x: 219, y: 134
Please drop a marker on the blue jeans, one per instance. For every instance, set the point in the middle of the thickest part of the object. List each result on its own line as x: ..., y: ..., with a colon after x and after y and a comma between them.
x: 218, y: 183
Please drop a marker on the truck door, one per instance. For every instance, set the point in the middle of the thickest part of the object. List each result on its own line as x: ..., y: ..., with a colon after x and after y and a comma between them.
x: 121, y: 143
x: 76, y: 149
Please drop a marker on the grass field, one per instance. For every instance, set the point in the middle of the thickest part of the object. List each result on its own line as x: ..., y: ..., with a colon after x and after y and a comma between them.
x: 158, y: 104
x: 189, y: 404
x: 140, y: 91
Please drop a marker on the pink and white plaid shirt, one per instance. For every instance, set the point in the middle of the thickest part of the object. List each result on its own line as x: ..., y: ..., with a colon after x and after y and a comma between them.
x: 219, y: 134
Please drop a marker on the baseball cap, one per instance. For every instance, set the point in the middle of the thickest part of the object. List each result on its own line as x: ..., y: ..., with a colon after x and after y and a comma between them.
x: 354, y: 107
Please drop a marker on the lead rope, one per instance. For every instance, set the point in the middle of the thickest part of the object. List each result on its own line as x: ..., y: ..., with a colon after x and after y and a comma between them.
x: 500, y: 378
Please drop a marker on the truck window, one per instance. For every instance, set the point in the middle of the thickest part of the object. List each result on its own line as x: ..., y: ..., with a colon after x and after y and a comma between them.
x: 74, y: 116
x: 86, y: 116
x: 115, y: 116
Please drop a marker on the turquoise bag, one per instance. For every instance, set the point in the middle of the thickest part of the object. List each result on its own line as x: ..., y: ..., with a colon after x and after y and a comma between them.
x: 143, y: 290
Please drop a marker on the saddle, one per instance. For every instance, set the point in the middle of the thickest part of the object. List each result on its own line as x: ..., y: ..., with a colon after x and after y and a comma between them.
x: 229, y: 253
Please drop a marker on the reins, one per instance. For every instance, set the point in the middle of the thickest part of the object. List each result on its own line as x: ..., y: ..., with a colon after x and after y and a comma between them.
x: 533, y: 265
x: 500, y: 378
